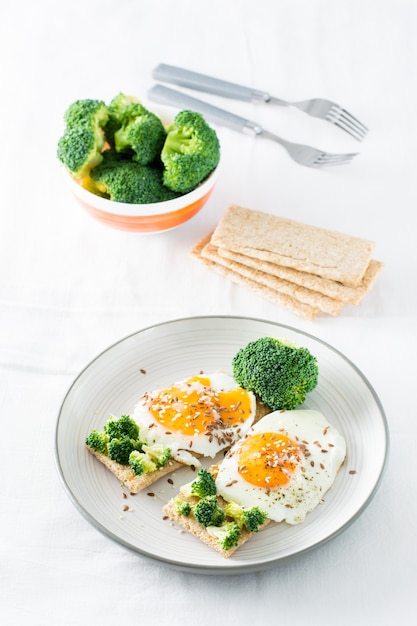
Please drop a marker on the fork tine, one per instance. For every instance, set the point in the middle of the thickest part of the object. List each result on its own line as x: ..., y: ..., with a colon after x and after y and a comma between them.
x: 326, y: 159
x: 347, y: 122
x: 347, y: 125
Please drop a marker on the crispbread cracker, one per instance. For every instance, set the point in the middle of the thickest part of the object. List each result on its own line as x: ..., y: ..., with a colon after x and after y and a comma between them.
x: 192, y: 526
x: 330, y: 288
x: 318, y: 251
x: 299, y: 308
x: 126, y: 475
x: 307, y: 296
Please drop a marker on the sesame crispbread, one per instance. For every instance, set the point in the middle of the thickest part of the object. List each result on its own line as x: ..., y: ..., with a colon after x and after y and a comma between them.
x: 291, y: 303
x: 314, y: 299
x: 330, y: 254
x: 128, y: 478
x: 331, y: 288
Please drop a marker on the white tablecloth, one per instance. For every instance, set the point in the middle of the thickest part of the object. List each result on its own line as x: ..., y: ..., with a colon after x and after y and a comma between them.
x: 70, y: 287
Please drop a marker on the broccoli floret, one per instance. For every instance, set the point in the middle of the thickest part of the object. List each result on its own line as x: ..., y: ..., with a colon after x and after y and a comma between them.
x: 204, y: 485
x: 149, y: 458
x: 128, y: 427
x: 277, y: 371
x: 250, y: 519
x: 123, y: 426
x: 183, y: 507
x: 120, y: 449
x: 98, y: 441
x: 158, y: 453
x: 191, y: 151
x: 141, y: 463
x: 80, y: 147
x: 208, y: 513
x: 127, y: 181
x: 134, y: 130
x: 227, y: 534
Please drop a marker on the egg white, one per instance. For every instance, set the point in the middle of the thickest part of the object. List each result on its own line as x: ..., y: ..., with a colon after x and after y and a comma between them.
x: 184, y: 447
x: 324, y: 452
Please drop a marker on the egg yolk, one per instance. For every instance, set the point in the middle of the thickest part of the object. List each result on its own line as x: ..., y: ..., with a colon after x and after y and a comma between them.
x: 194, y: 407
x: 268, y: 459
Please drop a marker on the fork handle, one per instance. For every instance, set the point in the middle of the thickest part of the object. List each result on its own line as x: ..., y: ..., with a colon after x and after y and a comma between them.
x: 171, y: 97
x: 201, y: 82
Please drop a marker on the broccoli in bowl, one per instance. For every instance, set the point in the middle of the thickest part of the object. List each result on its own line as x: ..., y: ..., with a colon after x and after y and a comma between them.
x: 126, y: 153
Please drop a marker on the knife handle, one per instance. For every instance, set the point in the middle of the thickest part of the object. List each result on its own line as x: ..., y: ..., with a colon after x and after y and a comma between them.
x: 201, y: 82
x: 171, y: 97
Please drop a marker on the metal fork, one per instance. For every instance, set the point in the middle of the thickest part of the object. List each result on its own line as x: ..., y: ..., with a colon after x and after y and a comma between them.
x: 305, y: 155
x: 317, y: 107
x: 330, y: 111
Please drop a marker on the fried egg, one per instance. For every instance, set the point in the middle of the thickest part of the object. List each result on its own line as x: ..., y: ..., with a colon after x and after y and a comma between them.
x: 284, y: 465
x: 201, y: 415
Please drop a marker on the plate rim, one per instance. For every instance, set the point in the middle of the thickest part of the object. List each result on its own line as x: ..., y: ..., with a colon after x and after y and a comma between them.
x: 218, y: 569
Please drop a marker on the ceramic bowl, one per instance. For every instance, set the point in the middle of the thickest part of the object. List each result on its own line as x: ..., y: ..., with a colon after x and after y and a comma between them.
x: 145, y: 218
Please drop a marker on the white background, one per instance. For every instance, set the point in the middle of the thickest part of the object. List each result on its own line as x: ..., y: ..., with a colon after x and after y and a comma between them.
x: 69, y: 286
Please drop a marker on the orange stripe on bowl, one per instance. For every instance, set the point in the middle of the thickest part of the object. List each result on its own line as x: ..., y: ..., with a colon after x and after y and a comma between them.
x: 147, y: 223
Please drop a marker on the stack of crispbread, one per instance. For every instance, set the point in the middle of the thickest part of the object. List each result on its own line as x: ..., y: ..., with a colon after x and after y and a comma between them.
x: 306, y: 269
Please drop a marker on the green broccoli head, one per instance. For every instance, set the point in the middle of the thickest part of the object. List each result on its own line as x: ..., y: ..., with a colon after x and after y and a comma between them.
x: 190, y: 152
x: 80, y: 147
x: 134, y: 130
x: 278, y: 372
x: 204, y: 485
x: 208, y: 513
x: 98, y: 441
x: 251, y: 519
x: 128, y: 181
x: 141, y: 463
x: 119, y: 449
x: 123, y: 426
x: 227, y: 534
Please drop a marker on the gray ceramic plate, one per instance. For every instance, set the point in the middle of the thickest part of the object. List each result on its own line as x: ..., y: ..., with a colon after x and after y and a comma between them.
x: 156, y: 356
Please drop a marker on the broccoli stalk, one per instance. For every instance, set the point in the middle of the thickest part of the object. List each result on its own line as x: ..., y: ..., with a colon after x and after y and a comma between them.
x: 250, y: 519
x: 80, y: 147
x: 190, y: 152
x: 141, y: 463
x: 183, y: 507
x: 149, y: 458
x: 227, y: 534
x: 134, y: 130
x: 278, y: 372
